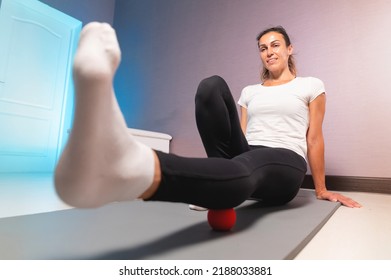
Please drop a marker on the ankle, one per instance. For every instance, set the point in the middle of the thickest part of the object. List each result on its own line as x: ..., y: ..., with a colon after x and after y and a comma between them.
x: 156, y: 181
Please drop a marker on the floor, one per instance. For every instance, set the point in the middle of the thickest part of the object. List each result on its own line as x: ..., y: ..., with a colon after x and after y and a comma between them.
x: 24, y: 194
x: 350, y: 234
x: 354, y: 234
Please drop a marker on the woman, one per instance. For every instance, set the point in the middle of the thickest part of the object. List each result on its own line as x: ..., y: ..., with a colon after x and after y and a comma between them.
x: 102, y: 163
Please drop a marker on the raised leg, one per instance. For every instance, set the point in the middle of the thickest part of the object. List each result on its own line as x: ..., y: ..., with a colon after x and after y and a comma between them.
x: 101, y: 162
x: 217, y: 119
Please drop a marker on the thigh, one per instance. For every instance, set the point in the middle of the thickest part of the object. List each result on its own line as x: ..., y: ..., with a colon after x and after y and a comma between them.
x: 273, y: 175
x: 217, y: 119
x: 214, y: 183
x: 277, y: 174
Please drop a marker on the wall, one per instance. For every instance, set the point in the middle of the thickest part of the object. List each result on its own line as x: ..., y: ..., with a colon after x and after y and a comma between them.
x: 169, y: 46
x: 85, y: 10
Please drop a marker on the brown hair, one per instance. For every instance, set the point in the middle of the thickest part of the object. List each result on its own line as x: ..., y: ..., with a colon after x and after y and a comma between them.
x: 291, y: 61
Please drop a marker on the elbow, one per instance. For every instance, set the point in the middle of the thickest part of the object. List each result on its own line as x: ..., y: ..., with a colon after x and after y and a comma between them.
x: 315, y: 142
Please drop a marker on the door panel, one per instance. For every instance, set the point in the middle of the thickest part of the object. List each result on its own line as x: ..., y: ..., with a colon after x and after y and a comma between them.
x: 36, y: 92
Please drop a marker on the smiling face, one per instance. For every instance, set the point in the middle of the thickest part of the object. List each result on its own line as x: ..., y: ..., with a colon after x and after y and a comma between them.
x: 274, y: 52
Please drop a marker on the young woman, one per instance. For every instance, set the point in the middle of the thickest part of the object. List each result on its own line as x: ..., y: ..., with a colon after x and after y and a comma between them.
x: 262, y: 156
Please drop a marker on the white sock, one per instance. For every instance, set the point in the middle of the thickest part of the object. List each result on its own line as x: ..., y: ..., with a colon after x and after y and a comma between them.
x: 140, y: 178
x: 102, y: 162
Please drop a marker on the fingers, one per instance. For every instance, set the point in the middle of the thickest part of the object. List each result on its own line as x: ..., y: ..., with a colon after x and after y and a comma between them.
x: 349, y: 202
x: 346, y: 201
x: 335, y: 197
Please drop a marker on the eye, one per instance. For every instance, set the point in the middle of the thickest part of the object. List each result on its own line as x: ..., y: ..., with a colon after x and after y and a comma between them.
x: 262, y: 49
x: 275, y: 45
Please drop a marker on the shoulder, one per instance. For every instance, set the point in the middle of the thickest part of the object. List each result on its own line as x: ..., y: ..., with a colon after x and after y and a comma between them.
x: 251, y: 89
x: 247, y: 94
x: 312, y: 85
x: 310, y: 80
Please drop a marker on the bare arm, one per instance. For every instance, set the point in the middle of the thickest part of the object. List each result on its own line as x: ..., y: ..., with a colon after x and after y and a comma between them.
x: 315, y: 153
x: 315, y: 143
x: 243, y: 119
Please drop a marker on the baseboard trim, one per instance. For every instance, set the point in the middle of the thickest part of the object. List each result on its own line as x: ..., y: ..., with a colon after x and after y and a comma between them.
x: 353, y: 184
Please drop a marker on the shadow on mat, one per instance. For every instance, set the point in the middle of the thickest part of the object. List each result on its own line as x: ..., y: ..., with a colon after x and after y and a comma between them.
x: 247, y: 214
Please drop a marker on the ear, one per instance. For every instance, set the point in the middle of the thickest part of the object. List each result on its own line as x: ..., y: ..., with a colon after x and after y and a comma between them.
x: 290, y: 50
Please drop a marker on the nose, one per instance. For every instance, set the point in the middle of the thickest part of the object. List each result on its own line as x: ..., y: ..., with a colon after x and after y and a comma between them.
x: 269, y: 51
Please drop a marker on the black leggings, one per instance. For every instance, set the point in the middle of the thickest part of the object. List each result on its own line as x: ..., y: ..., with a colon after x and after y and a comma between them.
x: 233, y: 171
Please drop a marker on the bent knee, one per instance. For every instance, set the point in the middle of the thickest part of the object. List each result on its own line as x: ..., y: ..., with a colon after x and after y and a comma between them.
x: 208, y: 87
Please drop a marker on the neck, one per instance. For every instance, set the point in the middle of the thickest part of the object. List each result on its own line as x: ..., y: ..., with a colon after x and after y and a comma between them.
x: 279, y: 79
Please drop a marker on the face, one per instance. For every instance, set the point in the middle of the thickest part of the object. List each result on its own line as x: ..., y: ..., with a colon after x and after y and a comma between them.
x: 274, y: 52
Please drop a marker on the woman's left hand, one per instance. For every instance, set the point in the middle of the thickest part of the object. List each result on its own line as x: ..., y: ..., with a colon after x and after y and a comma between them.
x: 336, y: 197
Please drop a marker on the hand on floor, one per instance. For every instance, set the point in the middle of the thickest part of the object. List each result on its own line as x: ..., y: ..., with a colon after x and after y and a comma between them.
x: 336, y: 197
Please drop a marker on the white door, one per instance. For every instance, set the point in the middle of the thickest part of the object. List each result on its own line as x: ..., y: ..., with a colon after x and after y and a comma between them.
x: 37, y: 44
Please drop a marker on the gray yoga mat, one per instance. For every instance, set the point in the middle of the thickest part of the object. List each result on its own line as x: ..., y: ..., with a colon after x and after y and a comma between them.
x: 157, y: 230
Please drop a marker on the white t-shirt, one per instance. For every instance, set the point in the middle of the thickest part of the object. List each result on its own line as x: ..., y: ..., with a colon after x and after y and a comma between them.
x: 278, y: 116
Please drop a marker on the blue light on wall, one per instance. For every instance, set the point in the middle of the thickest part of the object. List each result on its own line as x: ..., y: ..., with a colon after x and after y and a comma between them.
x: 129, y: 81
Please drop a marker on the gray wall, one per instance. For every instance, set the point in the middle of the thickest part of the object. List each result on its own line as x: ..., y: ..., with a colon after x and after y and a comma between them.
x: 169, y: 46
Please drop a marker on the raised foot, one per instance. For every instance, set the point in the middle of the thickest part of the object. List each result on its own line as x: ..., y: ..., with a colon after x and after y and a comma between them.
x: 98, y: 54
